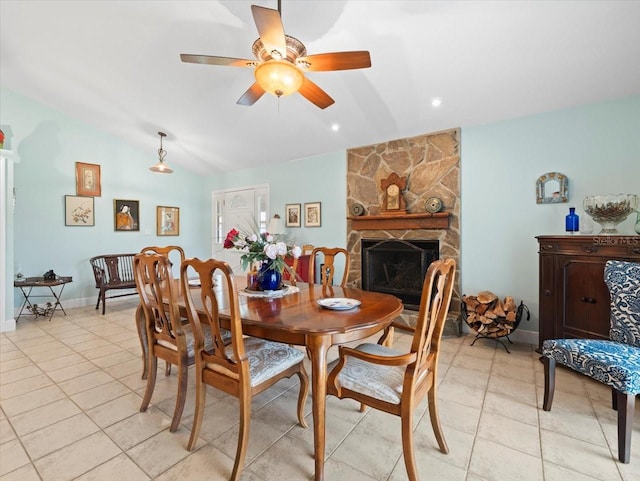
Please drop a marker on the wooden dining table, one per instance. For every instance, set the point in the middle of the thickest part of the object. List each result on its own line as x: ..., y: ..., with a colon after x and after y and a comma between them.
x: 298, y: 319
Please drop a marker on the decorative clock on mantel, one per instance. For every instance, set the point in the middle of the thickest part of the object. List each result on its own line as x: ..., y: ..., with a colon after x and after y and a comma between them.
x: 392, y: 199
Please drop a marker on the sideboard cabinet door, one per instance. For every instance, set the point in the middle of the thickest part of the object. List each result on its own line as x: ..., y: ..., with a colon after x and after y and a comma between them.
x: 574, y: 300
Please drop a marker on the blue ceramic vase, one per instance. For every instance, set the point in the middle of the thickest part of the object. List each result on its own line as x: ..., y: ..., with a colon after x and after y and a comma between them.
x: 269, y: 279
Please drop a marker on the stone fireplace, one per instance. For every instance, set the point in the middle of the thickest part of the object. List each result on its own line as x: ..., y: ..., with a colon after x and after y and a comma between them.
x: 431, y: 164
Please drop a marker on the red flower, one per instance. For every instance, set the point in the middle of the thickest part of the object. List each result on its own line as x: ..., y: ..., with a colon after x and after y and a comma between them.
x: 231, y: 236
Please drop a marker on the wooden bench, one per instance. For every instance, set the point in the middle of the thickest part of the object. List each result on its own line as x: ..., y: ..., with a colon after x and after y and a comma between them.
x: 113, y: 271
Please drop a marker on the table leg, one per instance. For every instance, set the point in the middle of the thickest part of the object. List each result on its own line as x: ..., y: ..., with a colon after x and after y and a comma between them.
x: 318, y: 347
x: 57, y: 303
x: 142, y: 335
x: 26, y: 301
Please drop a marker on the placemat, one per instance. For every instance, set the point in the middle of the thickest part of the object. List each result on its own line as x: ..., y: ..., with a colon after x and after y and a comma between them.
x: 279, y: 293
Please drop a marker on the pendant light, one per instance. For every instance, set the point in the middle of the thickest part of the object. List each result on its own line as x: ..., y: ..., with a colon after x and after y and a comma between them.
x: 161, y: 167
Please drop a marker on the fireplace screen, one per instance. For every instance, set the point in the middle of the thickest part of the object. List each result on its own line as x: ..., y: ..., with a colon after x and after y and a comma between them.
x: 397, y: 267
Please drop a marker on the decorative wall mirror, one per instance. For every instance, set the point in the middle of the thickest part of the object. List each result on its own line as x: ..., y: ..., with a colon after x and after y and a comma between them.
x: 552, y: 188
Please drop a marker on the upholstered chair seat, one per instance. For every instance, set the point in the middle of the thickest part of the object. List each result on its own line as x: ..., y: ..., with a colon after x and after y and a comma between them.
x: 378, y: 381
x: 190, y: 343
x: 612, y: 363
x: 266, y: 359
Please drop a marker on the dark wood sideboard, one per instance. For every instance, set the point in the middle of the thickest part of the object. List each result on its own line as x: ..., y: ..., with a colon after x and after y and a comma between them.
x: 574, y: 300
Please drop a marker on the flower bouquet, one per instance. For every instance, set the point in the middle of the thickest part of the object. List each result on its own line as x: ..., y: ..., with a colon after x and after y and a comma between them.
x: 268, y: 250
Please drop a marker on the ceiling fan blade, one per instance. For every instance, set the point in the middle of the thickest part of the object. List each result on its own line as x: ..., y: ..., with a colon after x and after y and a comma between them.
x: 315, y: 94
x: 251, y: 96
x: 270, y: 29
x: 213, y: 60
x: 336, y: 61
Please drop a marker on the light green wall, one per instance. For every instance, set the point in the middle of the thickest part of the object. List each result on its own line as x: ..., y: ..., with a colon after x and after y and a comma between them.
x: 49, y: 144
x: 314, y: 179
x: 598, y: 148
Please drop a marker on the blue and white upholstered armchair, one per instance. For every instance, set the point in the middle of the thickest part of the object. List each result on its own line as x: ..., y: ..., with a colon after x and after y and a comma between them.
x: 616, y: 362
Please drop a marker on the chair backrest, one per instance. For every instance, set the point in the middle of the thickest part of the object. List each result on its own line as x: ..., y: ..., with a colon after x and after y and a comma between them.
x: 158, y: 297
x: 173, y: 253
x: 623, y: 280
x: 434, y: 306
x: 207, y: 303
x: 111, y: 269
x: 328, y: 270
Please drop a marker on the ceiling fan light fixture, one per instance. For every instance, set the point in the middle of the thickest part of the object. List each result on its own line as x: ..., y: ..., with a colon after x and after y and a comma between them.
x: 279, y: 77
x: 161, y: 167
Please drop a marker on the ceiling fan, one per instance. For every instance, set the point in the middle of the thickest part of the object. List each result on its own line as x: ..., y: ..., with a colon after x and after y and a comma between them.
x: 282, y: 61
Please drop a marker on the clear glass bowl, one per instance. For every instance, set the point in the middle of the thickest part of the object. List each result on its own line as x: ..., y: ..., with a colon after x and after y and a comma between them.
x: 610, y: 209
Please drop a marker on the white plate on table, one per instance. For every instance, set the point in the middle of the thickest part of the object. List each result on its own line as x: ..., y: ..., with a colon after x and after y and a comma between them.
x: 194, y: 282
x: 339, y: 303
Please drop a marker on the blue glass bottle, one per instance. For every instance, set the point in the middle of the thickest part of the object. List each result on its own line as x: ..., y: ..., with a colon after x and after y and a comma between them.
x: 572, y: 221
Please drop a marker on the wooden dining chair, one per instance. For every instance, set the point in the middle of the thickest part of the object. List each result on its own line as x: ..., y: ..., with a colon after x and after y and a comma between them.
x: 242, y: 369
x: 167, y: 338
x: 328, y: 268
x: 396, y: 382
x: 174, y: 254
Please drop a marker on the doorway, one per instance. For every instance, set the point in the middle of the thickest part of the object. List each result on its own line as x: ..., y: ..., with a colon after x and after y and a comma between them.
x: 245, y: 209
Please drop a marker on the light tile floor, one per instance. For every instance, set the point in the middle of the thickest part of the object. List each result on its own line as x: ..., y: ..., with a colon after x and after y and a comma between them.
x: 70, y: 392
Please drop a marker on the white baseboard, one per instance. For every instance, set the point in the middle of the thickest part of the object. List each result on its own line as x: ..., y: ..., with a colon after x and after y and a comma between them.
x: 7, y: 325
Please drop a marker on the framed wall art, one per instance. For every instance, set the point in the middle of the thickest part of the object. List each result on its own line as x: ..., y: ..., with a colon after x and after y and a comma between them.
x: 552, y: 188
x: 292, y: 215
x: 312, y: 214
x: 167, y: 220
x: 79, y: 211
x: 126, y: 215
x: 88, y: 179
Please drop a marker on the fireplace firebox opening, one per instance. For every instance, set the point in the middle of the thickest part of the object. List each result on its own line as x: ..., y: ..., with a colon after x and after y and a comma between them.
x: 397, y: 267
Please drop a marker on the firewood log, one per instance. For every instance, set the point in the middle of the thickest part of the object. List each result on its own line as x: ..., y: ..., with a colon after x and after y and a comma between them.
x: 485, y: 297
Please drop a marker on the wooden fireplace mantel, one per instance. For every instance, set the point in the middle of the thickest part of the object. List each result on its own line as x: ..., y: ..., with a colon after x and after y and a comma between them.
x: 439, y: 220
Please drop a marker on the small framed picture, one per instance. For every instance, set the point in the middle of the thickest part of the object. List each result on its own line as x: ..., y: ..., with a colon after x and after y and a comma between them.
x: 88, y: 179
x: 292, y: 213
x: 167, y: 220
x: 312, y: 214
x: 126, y: 215
x: 79, y: 211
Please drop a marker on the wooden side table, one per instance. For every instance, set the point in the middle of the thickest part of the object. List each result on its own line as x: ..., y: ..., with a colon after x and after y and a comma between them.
x: 26, y: 286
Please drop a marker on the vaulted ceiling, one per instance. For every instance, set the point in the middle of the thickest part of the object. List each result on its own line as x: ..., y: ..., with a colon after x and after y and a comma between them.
x: 115, y: 65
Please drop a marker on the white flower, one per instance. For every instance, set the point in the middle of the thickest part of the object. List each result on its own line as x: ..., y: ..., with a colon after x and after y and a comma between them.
x: 282, y: 248
x: 296, y: 251
x: 269, y: 238
x: 253, y: 237
x: 271, y: 250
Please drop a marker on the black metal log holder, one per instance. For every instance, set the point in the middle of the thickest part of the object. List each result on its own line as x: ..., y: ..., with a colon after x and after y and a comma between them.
x: 492, y: 335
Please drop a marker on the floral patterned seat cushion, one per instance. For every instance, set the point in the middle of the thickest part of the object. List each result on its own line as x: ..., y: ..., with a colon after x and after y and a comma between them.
x: 377, y: 381
x: 266, y: 359
x: 208, y: 341
x: 612, y: 363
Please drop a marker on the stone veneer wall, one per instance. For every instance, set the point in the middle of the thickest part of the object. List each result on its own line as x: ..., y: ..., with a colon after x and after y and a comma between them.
x: 431, y: 164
